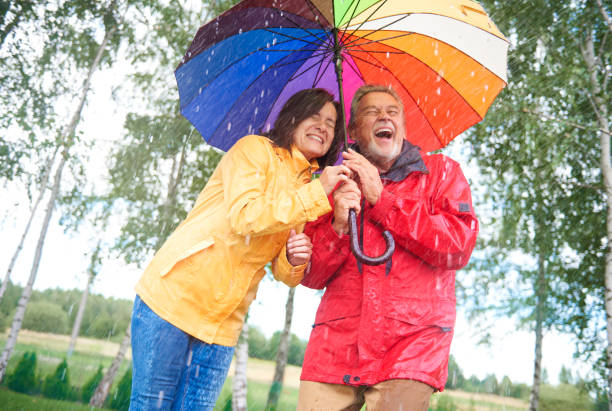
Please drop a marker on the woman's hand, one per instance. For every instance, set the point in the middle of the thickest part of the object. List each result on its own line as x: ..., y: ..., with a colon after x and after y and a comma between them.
x: 299, y: 248
x: 332, y: 175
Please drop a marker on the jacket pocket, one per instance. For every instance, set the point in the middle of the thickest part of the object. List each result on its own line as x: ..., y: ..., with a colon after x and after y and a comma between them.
x: 337, y: 307
x: 183, y: 254
x: 415, y: 311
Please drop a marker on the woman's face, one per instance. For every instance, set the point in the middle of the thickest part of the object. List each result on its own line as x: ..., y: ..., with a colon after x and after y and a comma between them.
x: 314, y: 135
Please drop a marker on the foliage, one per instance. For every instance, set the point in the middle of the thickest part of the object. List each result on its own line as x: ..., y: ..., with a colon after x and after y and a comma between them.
x: 57, y: 385
x: 11, y: 400
x: 544, y: 195
x: 45, y: 316
x: 443, y: 403
x: 564, y: 398
x: 90, y: 386
x: 120, y: 397
x: 23, y: 378
x: 260, y: 347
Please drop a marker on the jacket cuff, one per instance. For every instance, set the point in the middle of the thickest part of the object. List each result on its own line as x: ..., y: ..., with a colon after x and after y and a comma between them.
x: 285, y: 272
x: 314, y: 200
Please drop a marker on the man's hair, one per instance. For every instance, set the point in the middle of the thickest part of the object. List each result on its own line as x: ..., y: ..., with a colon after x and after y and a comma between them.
x: 298, y: 108
x: 371, y: 88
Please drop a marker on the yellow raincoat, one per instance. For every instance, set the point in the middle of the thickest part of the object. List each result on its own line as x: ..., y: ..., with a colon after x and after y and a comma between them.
x: 205, y: 276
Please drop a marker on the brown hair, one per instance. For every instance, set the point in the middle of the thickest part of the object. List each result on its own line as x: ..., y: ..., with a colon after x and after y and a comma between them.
x: 298, y: 108
x: 371, y: 88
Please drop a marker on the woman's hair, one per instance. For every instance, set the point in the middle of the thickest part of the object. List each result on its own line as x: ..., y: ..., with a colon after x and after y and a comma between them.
x: 298, y: 108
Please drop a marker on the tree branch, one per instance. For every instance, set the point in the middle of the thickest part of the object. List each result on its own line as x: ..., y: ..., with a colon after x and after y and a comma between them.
x: 537, y: 114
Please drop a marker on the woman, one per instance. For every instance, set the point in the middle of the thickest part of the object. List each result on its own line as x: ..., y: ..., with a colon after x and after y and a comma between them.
x: 192, y: 298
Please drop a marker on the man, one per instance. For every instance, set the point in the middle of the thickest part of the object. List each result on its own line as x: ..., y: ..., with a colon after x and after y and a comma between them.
x: 382, y: 334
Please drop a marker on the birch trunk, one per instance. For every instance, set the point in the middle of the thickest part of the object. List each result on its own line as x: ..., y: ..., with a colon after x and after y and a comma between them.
x: 43, y: 188
x: 281, y: 355
x: 600, y: 108
x: 239, y: 385
x: 99, y: 396
x: 67, y: 142
x: 540, y: 290
x: 76, y: 327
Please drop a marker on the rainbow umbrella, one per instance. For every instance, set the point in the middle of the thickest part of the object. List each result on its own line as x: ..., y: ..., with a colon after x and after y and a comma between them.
x: 445, y: 58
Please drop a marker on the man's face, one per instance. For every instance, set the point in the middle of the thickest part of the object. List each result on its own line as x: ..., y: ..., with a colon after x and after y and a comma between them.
x: 379, y: 128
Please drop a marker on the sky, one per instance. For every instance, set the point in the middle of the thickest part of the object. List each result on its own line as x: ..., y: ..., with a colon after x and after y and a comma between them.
x: 65, y: 259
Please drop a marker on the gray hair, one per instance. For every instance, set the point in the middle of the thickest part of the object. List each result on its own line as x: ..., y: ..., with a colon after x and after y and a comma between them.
x: 371, y: 88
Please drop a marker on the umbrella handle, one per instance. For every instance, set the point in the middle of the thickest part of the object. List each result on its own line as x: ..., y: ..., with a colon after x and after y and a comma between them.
x: 359, y: 255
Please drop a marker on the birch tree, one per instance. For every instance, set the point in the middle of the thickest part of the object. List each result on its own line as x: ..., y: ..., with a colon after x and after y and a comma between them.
x: 239, y: 384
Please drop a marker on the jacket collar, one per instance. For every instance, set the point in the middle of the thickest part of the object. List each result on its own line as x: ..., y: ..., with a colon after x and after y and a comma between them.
x: 408, y: 161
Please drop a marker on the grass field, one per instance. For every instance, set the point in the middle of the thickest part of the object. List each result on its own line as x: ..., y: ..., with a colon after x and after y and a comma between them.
x: 90, y: 353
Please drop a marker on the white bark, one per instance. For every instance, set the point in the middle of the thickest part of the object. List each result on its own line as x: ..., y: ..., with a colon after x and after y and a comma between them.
x: 76, y: 327
x: 43, y: 189
x: 540, y: 291
x: 68, y: 137
x: 239, y: 385
x: 601, y: 111
x: 281, y: 355
x: 99, y: 396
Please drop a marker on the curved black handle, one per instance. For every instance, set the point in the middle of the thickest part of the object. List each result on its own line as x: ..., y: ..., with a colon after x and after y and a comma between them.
x: 358, y: 253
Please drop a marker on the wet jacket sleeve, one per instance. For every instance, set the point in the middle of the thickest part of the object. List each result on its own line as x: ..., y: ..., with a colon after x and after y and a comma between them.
x: 253, y: 210
x: 441, y: 229
x: 282, y: 270
x: 329, y: 252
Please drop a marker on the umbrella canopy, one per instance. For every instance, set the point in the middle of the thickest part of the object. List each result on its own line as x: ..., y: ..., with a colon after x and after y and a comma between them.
x: 445, y: 58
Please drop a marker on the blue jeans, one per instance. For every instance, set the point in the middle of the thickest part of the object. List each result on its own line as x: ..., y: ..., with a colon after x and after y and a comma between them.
x: 172, y: 369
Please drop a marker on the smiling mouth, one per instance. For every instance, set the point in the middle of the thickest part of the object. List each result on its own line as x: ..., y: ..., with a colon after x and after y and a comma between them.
x: 384, y: 133
x: 314, y: 137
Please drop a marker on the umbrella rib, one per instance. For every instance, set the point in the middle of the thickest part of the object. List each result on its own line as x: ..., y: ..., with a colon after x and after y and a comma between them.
x: 312, y: 8
x: 321, y: 72
x: 364, y: 21
x: 376, y: 31
x: 355, y: 44
x: 355, y: 10
x: 296, y: 25
x: 296, y: 38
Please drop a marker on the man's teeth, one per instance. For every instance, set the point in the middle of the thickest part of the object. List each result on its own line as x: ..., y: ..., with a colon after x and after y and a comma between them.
x: 384, y: 133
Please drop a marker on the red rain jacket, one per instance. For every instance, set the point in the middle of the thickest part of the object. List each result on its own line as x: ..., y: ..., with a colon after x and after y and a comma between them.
x: 393, y: 322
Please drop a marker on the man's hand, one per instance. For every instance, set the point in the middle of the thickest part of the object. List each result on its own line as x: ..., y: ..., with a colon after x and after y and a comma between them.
x: 346, y: 196
x: 369, y: 179
x: 299, y: 248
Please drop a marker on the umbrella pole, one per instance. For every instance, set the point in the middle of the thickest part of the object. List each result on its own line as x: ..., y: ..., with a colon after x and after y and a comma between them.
x: 361, y: 257
x: 338, y: 70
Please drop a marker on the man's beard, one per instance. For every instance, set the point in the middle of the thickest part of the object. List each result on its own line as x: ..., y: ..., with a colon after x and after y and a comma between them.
x: 373, y: 153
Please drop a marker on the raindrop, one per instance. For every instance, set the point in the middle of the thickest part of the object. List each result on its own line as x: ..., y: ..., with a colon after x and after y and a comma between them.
x: 447, y: 113
x: 256, y: 110
x: 473, y: 225
x: 435, y: 113
x: 472, y: 74
x: 247, y: 239
x: 268, y: 45
x: 240, y: 31
x: 438, y: 79
x: 266, y: 23
x: 387, y: 54
x: 212, y: 52
x: 229, y: 126
x: 486, y: 87
x: 160, y: 398
x: 197, y: 371
x: 274, y: 41
x: 196, y: 109
x: 483, y: 99
x: 189, y: 54
x: 436, y: 51
x: 189, y: 357
x: 262, y: 93
x: 439, y: 91
x: 437, y: 240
